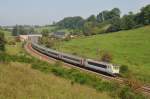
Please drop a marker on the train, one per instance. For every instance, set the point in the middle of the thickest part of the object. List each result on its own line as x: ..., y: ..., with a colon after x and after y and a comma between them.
x: 91, y: 64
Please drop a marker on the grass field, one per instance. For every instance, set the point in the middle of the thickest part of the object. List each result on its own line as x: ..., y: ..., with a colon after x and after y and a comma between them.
x: 7, y: 33
x: 131, y: 48
x: 14, y: 49
x: 19, y: 81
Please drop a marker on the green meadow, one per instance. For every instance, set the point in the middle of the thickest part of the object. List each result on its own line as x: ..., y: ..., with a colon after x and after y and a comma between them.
x: 130, y: 48
x: 18, y: 80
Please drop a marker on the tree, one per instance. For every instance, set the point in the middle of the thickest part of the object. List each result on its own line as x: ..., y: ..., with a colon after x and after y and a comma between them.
x: 2, y: 41
x: 100, y: 17
x: 128, y: 21
x: 19, y: 30
x: 108, y: 15
x: 92, y: 18
x: 116, y: 25
x: 31, y: 30
x: 89, y: 28
x: 15, y: 31
x: 71, y: 23
x: 45, y: 33
x: 22, y: 30
x: 145, y: 15
x: 115, y: 13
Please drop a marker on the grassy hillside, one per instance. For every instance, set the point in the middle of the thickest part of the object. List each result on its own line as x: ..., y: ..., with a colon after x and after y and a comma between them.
x: 7, y: 33
x: 131, y: 48
x: 14, y: 49
x: 19, y: 81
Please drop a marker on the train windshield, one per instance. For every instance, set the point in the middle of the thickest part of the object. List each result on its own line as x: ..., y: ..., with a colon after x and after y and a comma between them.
x: 116, y: 67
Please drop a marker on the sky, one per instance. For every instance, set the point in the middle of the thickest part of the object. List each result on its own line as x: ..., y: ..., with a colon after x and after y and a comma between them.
x: 42, y: 12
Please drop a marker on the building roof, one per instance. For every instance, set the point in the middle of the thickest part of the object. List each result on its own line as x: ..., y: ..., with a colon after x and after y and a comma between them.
x: 59, y: 34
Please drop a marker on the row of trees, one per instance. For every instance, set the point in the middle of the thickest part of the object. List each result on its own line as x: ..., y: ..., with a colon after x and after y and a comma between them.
x: 110, y: 19
x: 18, y: 29
x: 2, y: 41
x: 131, y: 20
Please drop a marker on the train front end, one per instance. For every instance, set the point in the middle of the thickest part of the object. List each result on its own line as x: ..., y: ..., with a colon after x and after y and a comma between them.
x: 113, y: 69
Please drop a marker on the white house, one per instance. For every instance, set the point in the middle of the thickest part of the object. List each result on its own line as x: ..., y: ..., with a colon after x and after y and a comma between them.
x: 23, y: 38
x: 31, y: 37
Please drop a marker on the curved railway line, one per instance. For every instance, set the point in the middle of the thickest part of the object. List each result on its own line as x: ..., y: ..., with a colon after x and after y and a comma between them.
x: 145, y: 89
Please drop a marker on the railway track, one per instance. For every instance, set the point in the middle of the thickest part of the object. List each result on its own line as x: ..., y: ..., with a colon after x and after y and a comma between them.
x: 145, y: 89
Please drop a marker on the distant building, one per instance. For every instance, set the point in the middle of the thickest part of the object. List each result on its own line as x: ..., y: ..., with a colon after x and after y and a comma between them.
x: 32, y: 37
x: 23, y: 38
x: 59, y: 35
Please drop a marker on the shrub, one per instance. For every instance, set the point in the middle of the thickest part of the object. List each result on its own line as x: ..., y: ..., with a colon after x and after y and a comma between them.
x: 107, y: 57
x: 74, y: 53
x: 133, y: 83
x: 58, y: 63
x: 2, y: 41
x: 72, y: 82
x: 2, y: 57
x: 11, y: 43
x: 124, y: 69
x: 127, y: 93
x: 68, y: 38
x: 17, y: 39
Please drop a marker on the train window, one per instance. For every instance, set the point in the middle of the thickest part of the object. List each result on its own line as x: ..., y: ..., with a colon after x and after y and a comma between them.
x: 109, y: 67
x: 52, y: 53
x: 71, y: 58
x: 97, y: 64
x: 116, y: 67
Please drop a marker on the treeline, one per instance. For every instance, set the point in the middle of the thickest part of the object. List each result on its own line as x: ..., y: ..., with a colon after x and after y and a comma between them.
x: 106, y: 21
x: 22, y: 30
x: 2, y: 41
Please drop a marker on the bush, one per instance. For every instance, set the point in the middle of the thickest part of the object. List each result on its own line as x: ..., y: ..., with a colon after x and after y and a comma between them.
x: 3, y: 57
x: 127, y: 93
x: 124, y: 69
x: 72, y: 82
x: 2, y: 41
x: 74, y: 53
x: 133, y: 83
x: 68, y: 38
x: 17, y: 39
x: 58, y: 63
x: 58, y: 72
x: 106, y: 57
x: 11, y: 43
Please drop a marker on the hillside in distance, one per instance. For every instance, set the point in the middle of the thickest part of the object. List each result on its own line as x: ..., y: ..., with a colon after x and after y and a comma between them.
x: 130, y: 48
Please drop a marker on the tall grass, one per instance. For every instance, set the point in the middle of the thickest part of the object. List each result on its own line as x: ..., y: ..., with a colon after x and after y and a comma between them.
x: 19, y: 81
x: 71, y: 74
